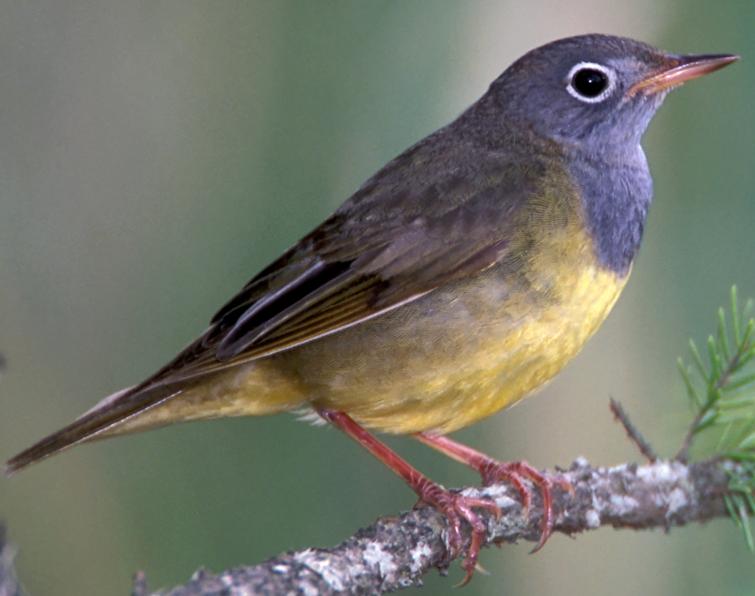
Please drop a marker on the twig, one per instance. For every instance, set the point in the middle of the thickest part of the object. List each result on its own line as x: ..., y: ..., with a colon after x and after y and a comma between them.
x: 632, y: 432
x: 395, y: 552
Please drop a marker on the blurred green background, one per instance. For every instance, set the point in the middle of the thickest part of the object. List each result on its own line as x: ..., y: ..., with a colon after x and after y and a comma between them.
x: 155, y: 155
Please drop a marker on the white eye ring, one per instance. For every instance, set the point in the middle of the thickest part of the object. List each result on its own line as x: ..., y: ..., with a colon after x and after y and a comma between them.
x: 610, y: 75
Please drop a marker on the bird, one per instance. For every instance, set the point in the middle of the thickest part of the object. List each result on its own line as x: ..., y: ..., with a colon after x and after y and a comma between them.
x: 454, y: 282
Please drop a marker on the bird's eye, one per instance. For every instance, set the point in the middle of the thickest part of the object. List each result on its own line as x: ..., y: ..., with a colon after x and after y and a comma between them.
x: 590, y: 82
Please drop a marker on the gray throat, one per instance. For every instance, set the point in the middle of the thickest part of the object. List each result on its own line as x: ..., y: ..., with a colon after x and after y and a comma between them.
x: 616, y: 190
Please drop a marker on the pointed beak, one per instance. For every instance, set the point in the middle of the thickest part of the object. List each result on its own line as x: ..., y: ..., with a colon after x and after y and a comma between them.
x: 679, y: 70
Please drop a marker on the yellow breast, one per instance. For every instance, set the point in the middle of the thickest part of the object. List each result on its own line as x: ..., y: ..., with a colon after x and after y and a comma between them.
x: 468, y: 350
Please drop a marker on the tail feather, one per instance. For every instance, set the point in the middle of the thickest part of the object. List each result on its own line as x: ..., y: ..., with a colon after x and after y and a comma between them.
x: 110, y: 412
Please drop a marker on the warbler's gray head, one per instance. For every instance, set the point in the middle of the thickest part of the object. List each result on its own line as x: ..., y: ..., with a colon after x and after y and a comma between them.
x: 595, y: 91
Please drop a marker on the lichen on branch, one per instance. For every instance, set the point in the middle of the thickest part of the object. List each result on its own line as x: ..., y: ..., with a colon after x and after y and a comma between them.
x: 396, y: 551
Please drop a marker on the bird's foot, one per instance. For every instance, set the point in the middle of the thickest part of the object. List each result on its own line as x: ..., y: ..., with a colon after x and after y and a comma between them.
x: 515, y: 473
x: 458, y: 508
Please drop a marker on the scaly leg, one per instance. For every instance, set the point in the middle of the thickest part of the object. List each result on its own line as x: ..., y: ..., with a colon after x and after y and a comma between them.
x: 454, y: 506
x: 492, y: 471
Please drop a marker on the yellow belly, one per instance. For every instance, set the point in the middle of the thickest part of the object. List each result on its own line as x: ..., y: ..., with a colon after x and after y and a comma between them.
x: 466, y: 351
x: 459, y: 374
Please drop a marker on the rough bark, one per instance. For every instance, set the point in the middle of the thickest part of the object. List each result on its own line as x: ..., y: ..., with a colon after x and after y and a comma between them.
x: 397, y: 551
x: 9, y: 585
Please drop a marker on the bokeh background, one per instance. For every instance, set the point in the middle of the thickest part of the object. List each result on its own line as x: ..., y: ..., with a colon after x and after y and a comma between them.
x: 155, y: 155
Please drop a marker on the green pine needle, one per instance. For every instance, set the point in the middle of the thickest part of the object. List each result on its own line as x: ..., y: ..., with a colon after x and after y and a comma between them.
x: 721, y: 389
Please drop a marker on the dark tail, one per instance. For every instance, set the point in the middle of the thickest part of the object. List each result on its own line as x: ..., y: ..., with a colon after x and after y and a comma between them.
x: 109, y: 413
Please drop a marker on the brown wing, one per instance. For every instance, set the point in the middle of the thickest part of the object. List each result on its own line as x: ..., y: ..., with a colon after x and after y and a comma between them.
x: 384, y: 247
x: 333, y: 292
x: 318, y: 289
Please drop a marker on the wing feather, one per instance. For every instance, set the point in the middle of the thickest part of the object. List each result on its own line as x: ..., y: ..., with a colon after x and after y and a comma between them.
x: 383, y: 248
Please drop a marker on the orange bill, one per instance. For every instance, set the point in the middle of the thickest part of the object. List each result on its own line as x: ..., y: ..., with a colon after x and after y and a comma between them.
x: 680, y: 70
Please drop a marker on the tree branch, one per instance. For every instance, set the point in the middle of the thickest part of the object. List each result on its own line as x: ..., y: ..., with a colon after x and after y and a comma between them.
x: 9, y: 585
x: 395, y: 552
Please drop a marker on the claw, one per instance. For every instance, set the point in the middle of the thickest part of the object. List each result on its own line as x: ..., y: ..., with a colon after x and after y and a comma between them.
x: 469, y: 573
x: 514, y: 472
x: 457, y: 507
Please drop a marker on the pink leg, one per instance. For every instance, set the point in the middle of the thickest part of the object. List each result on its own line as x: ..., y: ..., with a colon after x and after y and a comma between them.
x: 454, y: 506
x: 492, y: 471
